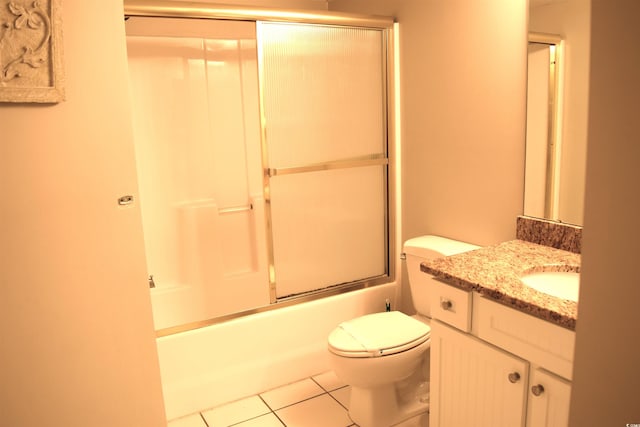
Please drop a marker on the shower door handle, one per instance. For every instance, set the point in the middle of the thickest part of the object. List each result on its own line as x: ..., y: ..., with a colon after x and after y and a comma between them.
x: 235, y: 209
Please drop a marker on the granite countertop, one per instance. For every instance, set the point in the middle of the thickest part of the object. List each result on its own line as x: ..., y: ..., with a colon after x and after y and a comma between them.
x: 494, y: 272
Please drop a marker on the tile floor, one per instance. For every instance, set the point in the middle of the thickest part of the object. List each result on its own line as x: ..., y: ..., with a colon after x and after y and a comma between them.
x: 319, y: 401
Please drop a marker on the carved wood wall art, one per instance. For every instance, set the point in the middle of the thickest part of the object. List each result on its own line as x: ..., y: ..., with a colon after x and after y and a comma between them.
x: 30, y: 51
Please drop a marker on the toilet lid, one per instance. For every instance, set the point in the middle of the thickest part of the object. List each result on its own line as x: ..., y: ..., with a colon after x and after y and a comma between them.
x: 378, y: 334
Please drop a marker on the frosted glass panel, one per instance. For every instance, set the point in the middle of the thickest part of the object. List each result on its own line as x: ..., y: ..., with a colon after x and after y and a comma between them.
x: 328, y: 228
x: 323, y: 92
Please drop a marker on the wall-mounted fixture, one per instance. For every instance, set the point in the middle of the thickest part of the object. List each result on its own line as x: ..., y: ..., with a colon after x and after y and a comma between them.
x: 31, y: 52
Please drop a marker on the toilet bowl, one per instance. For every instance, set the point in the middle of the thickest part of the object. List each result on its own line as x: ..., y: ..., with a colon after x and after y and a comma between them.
x: 384, y: 356
x: 374, y: 354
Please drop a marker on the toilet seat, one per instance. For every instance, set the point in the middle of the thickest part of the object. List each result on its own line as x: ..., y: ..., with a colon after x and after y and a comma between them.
x: 378, y: 334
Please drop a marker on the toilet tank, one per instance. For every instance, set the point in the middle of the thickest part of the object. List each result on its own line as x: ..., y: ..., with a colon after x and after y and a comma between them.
x: 423, y: 248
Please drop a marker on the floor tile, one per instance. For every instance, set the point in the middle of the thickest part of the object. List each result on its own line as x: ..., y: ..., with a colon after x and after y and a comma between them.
x: 417, y: 421
x: 291, y: 393
x: 342, y: 395
x: 268, y: 420
x: 321, y: 411
x: 329, y: 381
x: 194, y: 420
x: 235, y: 412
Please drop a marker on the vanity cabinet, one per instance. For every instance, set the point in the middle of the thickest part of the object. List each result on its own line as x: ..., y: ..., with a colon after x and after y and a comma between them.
x: 473, y: 383
x: 501, y: 368
x: 549, y: 398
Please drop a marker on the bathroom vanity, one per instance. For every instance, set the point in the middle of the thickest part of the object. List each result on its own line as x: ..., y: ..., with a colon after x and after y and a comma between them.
x: 502, y: 351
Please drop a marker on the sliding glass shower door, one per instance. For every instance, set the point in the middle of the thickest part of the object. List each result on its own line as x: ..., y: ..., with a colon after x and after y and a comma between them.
x: 326, y: 154
x: 262, y: 162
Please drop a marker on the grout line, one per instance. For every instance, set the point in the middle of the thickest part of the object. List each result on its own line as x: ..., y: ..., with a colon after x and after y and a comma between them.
x: 204, y: 420
x: 326, y: 389
x: 334, y: 398
x: 319, y: 385
x: 279, y: 419
x: 273, y: 411
x: 300, y: 401
x: 265, y: 402
x: 248, y: 419
x: 253, y: 418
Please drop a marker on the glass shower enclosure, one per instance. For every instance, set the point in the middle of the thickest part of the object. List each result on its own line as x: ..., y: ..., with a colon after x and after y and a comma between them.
x: 263, y: 164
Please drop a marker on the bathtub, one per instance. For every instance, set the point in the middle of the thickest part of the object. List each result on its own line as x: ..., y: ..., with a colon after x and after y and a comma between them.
x: 216, y: 364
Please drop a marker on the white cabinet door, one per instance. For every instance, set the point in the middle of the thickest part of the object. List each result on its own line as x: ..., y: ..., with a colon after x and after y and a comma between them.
x: 549, y: 397
x: 474, y: 383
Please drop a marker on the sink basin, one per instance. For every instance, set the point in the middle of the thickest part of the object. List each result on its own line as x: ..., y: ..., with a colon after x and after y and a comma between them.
x: 560, y: 284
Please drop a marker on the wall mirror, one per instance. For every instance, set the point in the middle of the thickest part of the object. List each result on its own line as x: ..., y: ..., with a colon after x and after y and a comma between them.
x: 557, y: 108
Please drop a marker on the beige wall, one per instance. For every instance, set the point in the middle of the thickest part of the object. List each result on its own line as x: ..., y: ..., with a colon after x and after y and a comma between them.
x: 77, y: 342
x: 606, y: 375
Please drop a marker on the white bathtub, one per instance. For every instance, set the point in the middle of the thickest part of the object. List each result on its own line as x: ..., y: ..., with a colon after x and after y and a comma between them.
x: 221, y: 363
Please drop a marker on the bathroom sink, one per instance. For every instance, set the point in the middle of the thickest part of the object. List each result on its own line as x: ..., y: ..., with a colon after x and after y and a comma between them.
x: 560, y: 284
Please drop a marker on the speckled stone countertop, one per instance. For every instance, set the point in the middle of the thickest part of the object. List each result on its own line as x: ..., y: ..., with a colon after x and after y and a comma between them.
x: 494, y: 272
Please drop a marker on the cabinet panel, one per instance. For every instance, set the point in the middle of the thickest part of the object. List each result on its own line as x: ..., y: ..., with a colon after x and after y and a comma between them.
x: 470, y: 382
x: 451, y: 306
x: 540, y: 342
x: 549, y: 398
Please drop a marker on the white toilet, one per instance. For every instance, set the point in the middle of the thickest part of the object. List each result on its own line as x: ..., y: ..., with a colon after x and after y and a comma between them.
x: 384, y: 356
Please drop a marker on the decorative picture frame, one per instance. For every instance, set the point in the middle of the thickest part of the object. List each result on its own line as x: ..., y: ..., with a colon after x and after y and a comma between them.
x: 31, y: 51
